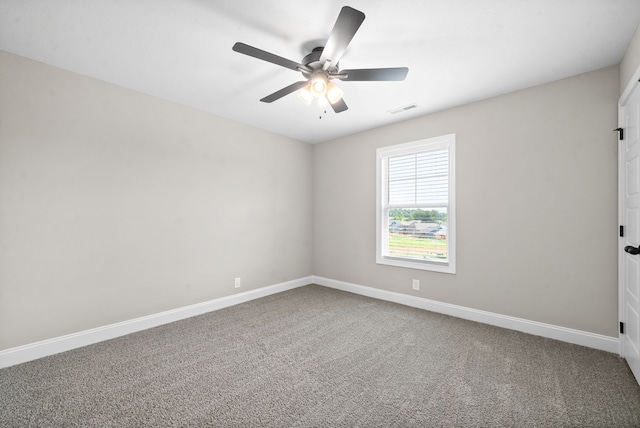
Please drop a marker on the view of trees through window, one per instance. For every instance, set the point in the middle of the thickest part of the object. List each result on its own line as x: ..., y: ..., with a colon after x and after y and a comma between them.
x: 427, y: 216
x: 418, y: 233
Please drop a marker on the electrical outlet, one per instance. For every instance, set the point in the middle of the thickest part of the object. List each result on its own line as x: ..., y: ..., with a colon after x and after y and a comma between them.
x: 237, y: 283
x: 416, y: 284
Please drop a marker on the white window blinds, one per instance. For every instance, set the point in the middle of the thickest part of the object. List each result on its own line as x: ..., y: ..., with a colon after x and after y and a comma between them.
x: 420, y: 179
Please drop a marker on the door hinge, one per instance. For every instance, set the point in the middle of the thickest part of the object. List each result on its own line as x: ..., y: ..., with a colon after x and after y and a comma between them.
x: 621, y: 327
x: 621, y: 230
x: 620, y: 133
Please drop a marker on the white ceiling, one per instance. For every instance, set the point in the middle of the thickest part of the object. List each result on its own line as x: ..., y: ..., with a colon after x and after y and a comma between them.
x: 457, y: 51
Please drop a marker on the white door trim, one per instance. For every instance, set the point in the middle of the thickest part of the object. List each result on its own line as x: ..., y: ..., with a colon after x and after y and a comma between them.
x: 621, y: 222
x: 622, y: 101
x: 630, y: 93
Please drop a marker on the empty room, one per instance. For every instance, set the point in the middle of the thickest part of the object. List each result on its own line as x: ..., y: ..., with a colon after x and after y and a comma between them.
x: 316, y: 214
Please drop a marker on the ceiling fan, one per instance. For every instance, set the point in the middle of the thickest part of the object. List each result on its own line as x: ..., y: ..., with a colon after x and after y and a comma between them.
x: 321, y: 65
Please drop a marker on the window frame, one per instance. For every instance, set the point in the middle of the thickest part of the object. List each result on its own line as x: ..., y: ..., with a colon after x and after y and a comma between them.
x: 382, y: 220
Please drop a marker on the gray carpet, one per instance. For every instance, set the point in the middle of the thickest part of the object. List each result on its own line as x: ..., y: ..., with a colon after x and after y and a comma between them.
x: 317, y: 357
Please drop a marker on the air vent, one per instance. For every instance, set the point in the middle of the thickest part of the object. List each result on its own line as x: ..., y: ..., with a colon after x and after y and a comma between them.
x: 403, y: 109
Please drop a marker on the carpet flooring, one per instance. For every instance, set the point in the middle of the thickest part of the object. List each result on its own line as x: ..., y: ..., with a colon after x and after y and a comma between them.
x: 318, y: 357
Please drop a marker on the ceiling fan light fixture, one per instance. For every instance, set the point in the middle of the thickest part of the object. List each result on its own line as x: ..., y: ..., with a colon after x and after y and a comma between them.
x: 305, y: 95
x: 318, y: 87
x: 334, y: 93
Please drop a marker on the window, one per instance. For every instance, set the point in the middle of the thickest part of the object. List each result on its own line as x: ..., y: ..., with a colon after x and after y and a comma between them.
x: 416, y: 205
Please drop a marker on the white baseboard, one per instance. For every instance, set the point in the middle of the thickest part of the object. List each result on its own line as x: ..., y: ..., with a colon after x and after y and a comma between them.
x: 578, y: 337
x: 32, y: 351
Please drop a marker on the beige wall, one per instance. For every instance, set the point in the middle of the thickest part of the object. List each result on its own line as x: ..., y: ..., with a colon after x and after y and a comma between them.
x: 536, y: 205
x: 115, y: 205
x: 630, y: 61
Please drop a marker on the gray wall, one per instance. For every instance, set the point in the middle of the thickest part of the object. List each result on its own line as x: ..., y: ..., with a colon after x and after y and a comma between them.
x: 115, y: 205
x: 536, y: 205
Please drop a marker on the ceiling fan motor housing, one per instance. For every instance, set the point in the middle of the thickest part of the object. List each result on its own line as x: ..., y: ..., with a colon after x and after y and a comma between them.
x: 312, y: 61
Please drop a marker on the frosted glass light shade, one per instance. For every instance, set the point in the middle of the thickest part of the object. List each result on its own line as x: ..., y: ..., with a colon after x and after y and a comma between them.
x: 334, y: 93
x: 305, y: 95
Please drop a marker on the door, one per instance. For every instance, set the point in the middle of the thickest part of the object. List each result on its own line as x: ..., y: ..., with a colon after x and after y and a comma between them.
x: 629, y: 253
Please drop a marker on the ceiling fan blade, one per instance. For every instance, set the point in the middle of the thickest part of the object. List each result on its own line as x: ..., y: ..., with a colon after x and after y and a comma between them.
x: 375, y: 74
x: 339, y: 106
x: 284, y: 91
x: 267, y: 56
x: 348, y: 22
